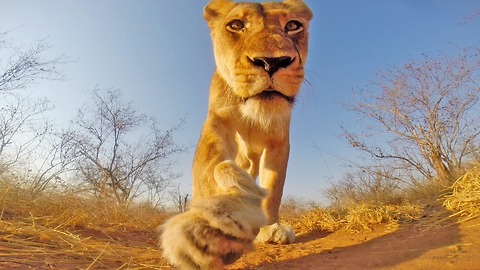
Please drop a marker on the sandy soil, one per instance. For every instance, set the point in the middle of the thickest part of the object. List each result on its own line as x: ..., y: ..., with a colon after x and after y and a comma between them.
x: 407, y: 246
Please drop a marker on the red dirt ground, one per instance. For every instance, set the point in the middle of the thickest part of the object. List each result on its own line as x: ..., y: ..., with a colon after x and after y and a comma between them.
x: 404, y: 247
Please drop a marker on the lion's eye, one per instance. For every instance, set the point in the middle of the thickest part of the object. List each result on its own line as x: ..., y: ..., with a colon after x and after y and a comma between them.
x: 235, y: 25
x: 293, y: 26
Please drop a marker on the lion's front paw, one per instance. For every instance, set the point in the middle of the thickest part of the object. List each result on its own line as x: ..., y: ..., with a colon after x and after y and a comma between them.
x: 276, y: 233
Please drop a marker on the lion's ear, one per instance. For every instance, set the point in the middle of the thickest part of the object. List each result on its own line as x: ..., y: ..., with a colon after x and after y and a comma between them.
x: 300, y: 7
x: 216, y: 8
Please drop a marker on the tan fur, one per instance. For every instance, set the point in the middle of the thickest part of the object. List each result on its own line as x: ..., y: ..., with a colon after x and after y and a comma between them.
x: 245, y: 134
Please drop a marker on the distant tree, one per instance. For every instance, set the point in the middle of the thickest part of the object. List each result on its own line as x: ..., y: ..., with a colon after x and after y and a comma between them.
x: 180, y: 199
x: 422, y: 117
x: 50, y: 160
x: 121, y: 153
x: 24, y: 67
x: 23, y: 125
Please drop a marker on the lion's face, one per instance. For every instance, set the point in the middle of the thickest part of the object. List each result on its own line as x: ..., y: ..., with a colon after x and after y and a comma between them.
x: 260, y: 51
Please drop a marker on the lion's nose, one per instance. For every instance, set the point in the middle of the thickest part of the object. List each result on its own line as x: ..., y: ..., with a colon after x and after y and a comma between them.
x: 272, y: 64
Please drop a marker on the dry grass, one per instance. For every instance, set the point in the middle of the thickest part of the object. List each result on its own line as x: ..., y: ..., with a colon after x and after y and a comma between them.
x: 316, y: 219
x: 361, y: 217
x: 67, y: 231
x: 64, y: 230
x: 461, y: 204
x: 464, y: 199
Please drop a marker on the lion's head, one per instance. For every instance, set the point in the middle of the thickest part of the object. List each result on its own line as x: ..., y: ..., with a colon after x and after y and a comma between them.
x: 260, y: 51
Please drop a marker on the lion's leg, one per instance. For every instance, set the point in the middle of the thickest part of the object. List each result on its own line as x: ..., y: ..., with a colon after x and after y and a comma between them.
x: 231, y: 178
x: 274, y: 184
x: 273, y: 170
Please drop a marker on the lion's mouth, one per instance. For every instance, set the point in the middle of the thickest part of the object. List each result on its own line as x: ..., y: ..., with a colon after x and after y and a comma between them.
x: 272, y: 94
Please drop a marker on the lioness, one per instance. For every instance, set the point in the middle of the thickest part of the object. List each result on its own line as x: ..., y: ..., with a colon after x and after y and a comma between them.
x: 260, y: 51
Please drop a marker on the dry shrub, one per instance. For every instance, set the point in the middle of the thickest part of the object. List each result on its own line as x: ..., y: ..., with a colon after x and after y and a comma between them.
x: 464, y: 199
x: 293, y: 207
x: 424, y: 192
x: 364, y: 187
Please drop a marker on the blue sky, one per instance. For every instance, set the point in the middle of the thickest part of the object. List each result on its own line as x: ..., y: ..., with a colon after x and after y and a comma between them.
x: 159, y: 54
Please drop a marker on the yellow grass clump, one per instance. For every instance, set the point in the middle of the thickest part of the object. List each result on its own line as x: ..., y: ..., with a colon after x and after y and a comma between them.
x: 316, y: 219
x: 365, y: 217
x: 358, y: 218
x: 464, y: 199
x: 65, y: 230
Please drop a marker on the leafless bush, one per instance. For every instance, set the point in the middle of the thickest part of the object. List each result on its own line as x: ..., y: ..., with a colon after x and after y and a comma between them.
x: 121, y: 153
x: 369, y: 185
